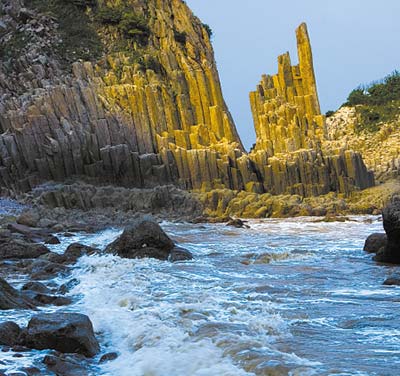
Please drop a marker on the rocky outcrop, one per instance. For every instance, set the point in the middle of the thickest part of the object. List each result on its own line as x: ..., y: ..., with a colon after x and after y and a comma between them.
x: 64, y: 332
x: 146, y: 239
x: 391, y: 224
x: 149, y: 111
x: 11, y: 298
x: 375, y: 242
x: 291, y: 148
x: 380, y: 148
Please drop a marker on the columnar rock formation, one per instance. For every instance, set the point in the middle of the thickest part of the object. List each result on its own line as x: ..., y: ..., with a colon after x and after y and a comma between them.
x: 291, y: 133
x: 152, y: 112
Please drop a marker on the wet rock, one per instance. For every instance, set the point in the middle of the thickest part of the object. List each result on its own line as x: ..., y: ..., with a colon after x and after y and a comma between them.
x: 65, y: 365
x: 20, y: 249
x: 36, y: 287
x: 64, y: 332
x: 391, y: 224
x: 144, y: 238
x: 43, y: 269
x: 238, y: 223
x: 9, y: 333
x: 180, y: 254
x: 108, y: 357
x: 375, y: 242
x: 43, y: 299
x: 32, y: 234
x: 29, y: 218
x: 68, y: 286
x: 31, y: 371
x: 392, y: 281
x: 76, y: 250
x: 51, y: 239
x: 11, y: 298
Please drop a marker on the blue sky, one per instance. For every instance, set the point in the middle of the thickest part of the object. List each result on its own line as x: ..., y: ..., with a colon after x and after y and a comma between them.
x: 354, y: 42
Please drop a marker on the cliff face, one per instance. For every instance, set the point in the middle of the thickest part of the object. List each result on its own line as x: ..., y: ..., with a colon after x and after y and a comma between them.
x: 148, y: 109
x: 292, y: 147
x: 380, y: 148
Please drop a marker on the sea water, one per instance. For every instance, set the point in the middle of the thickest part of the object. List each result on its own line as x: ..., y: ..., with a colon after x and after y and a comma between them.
x: 284, y: 297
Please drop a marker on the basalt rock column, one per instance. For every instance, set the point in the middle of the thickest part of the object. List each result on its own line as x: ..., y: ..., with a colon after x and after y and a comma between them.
x: 291, y: 151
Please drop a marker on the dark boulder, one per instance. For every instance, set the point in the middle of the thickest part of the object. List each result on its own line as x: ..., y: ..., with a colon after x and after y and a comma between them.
x: 108, y: 357
x: 392, y: 281
x: 11, y: 298
x: 375, y: 242
x: 144, y: 238
x: 391, y: 224
x: 238, y: 223
x: 77, y: 250
x: 179, y: 254
x: 20, y: 249
x: 64, y: 332
x: 9, y: 333
x: 36, y: 287
x: 65, y: 365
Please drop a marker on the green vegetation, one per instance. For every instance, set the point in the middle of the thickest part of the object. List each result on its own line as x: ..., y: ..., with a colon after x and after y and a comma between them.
x: 376, y: 103
x: 79, y: 38
x: 329, y: 113
x: 209, y: 30
x: 377, y: 93
x: 131, y: 25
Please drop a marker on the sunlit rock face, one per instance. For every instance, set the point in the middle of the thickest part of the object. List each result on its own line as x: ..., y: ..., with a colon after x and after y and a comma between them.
x: 148, y: 110
x: 291, y: 149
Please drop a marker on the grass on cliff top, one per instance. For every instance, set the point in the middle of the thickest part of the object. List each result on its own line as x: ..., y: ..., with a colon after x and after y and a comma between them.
x: 376, y: 103
x: 79, y: 39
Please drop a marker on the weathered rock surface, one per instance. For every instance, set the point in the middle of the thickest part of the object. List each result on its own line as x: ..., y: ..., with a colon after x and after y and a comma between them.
x: 20, y: 249
x: 64, y: 332
x: 391, y: 224
x: 9, y: 333
x: 343, y: 127
x: 375, y: 242
x: 292, y: 147
x: 65, y: 365
x: 11, y: 298
x: 144, y: 238
x: 392, y: 281
x: 159, y: 120
x: 179, y: 254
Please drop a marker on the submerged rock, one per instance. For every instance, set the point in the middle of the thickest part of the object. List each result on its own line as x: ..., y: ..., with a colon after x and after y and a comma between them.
x: 9, y: 333
x: 375, y: 242
x: 144, y: 238
x: 64, y: 332
x: 238, y: 223
x: 11, y: 298
x: 391, y: 223
x: 180, y: 254
x: 392, y: 281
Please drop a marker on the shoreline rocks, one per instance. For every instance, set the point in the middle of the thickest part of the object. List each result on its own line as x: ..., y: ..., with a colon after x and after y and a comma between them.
x: 64, y: 332
x: 146, y: 239
x: 375, y: 242
x: 391, y: 224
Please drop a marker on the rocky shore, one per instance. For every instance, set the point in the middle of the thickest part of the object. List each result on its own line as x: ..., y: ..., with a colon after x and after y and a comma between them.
x: 38, y: 282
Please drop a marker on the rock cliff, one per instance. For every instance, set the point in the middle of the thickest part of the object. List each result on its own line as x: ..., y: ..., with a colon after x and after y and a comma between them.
x: 127, y: 92
x: 292, y: 144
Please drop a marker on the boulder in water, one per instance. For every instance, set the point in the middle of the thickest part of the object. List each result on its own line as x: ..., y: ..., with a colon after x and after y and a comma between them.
x: 64, y: 332
x: 11, y: 298
x: 391, y: 224
x: 144, y: 238
x: 9, y: 333
x: 375, y: 242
